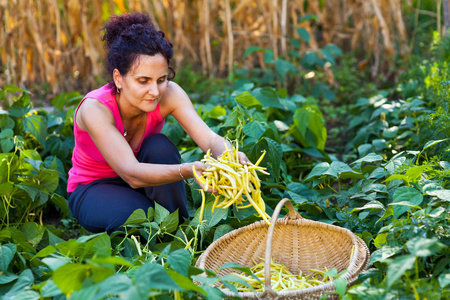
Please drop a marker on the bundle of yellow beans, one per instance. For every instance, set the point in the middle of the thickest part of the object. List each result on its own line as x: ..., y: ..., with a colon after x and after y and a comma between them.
x: 235, y: 183
x: 281, y: 279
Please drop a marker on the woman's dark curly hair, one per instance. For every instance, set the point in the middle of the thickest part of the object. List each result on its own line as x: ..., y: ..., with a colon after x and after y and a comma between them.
x: 127, y: 36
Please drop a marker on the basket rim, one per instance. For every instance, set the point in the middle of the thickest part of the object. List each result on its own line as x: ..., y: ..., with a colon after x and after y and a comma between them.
x: 361, y: 252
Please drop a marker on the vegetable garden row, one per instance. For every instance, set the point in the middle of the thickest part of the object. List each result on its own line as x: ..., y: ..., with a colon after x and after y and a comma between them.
x: 386, y: 179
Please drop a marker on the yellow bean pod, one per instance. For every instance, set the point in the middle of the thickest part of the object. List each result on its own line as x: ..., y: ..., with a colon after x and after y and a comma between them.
x: 234, y: 183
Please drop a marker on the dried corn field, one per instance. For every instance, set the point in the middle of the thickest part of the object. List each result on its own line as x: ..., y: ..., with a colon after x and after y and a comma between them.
x: 58, y: 42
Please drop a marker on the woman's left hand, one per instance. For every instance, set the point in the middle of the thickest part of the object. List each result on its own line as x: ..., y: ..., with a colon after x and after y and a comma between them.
x: 243, y: 160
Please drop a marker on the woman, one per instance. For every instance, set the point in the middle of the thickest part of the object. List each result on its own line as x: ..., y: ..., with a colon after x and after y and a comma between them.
x: 121, y: 161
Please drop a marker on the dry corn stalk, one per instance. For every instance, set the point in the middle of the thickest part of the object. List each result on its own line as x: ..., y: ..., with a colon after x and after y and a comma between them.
x: 58, y: 41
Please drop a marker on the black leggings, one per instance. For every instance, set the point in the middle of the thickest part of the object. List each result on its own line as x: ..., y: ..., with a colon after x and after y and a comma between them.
x: 106, y: 204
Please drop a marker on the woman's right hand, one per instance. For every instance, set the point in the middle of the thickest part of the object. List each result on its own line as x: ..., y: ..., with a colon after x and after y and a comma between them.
x: 199, y: 169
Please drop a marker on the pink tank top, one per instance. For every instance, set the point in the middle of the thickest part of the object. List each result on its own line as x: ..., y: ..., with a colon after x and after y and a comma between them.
x: 88, y: 163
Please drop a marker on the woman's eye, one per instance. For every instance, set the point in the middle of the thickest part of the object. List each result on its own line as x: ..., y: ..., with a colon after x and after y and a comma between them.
x: 162, y: 80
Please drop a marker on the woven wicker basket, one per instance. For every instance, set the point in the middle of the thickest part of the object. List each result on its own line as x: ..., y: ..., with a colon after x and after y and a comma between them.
x: 295, y: 242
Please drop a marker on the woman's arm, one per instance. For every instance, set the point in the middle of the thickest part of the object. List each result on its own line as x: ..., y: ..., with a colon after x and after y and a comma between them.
x: 177, y: 103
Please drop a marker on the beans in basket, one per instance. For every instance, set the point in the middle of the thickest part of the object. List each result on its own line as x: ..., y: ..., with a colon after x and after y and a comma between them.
x: 281, y: 278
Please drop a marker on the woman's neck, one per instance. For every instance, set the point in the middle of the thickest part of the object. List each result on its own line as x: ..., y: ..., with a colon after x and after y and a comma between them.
x: 127, y: 113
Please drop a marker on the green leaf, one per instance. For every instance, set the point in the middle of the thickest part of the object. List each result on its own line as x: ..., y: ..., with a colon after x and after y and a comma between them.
x: 236, y: 266
x: 179, y: 260
x: 60, y: 202
x: 33, y: 232
x: 309, y: 17
x: 6, y: 133
x: 432, y: 143
x: 160, y: 213
x: 406, y: 194
x: 25, y: 295
x: 110, y: 260
x: 20, y: 240
x: 299, y: 199
x: 217, y: 112
x: 7, y: 277
x: 21, y: 106
x: 70, y: 277
x: 230, y: 286
x: 334, y: 170
x: 37, y: 126
x: 210, y: 218
x: 66, y: 99
x: 380, y: 240
x: 5, y: 235
x: 233, y: 278
x: 221, y: 230
x: 6, y: 189
x: 423, y: 247
x: 254, y: 129
x: 12, y: 88
x: 310, y: 127
x: 398, y: 267
x: 275, y: 155
x: 304, y: 34
x: 268, y: 56
x: 7, y: 145
x: 205, y: 280
x: 268, y: 96
x: 444, y: 280
x: 185, y: 283
x: 328, y: 56
x: 341, y: 286
x: 153, y: 276
x: 7, y: 253
x: 150, y: 213
x: 384, y: 253
x: 48, y: 180
x: 283, y: 67
x: 50, y: 289
x: 247, y: 100
x: 319, y: 170
x: 371, y: 157
x: 46, y: 251
x: 253, y: 49
x: 170, y: 223
x: 113, y: 285
x: 441, y: 194
x: 232, y: 119
x: 24, y: 281
x: 54, y: 263
x: 371, y: 205
x: 137, y: 217
x: 414, y: 174
x: 98, y: 245
x: 31, y: 190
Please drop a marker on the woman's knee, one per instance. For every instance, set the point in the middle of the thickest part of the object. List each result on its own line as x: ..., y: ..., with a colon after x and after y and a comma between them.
x: 158, y: 148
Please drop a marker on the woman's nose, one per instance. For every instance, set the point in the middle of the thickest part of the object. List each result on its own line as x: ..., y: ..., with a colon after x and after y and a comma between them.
x: 154, y: 90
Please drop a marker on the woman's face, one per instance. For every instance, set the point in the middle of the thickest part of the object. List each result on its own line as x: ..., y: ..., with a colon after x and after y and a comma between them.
x: 144, y: 85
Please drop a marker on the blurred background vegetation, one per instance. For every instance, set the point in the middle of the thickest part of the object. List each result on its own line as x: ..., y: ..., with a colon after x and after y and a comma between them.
x: 53, y: 46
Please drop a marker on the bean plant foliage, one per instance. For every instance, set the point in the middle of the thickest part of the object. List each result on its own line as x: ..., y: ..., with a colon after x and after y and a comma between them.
x: 394, y: 191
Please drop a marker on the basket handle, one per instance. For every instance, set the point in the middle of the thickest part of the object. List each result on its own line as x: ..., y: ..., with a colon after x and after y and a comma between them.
x: 292, y: 215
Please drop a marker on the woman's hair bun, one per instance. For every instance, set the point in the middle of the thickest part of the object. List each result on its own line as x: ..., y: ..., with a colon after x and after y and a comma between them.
x: 118, y: 24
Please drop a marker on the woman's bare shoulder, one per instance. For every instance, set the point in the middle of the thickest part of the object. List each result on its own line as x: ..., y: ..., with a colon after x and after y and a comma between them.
x: 92, y: 110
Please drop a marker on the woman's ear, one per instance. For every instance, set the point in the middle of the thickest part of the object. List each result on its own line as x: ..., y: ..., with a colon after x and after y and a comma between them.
x: 117, y: 77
